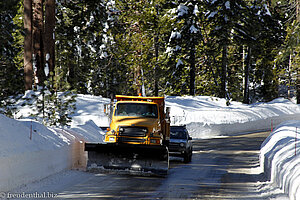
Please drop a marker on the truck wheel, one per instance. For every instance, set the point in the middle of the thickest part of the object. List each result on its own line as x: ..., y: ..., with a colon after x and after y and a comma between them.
x: 190, y: 157
x: 187, y: 157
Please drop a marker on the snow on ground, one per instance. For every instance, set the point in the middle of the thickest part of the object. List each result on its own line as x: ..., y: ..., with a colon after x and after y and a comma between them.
x: 280, y: 158
x: 90, y: 108
x: 23, y: 160
x: 209, y: 116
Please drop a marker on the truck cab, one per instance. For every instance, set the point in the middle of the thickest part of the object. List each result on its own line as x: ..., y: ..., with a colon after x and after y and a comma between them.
x: 139, y: 120
x: 137, y: 139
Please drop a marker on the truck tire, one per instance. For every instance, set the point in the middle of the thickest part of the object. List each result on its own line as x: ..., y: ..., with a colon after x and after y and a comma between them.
x: 187, y: 157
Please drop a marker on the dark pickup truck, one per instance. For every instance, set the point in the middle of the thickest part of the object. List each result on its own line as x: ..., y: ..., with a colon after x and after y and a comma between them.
x: 180, y: 143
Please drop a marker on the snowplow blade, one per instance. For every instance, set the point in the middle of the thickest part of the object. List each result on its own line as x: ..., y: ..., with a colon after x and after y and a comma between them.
x: 132, y: 159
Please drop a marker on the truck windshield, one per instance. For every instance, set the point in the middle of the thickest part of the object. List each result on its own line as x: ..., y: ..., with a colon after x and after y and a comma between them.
x: 136, y: 109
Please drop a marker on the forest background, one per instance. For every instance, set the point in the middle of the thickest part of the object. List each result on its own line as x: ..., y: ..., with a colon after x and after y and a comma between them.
x: 240, y: 50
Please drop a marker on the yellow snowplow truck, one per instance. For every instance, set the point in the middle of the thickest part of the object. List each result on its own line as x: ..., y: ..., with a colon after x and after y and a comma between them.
x: 137, y: 139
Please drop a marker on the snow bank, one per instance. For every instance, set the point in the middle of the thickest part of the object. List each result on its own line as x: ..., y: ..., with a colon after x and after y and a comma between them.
x: 89, y: 132
x: 280, y: 158
x: 209, y: 116
x: 89, y: 116
x: 204, y: 116
x: 90, y: 108
x: 23, y: 160
x: 23, y: 168
x: 31, y: 151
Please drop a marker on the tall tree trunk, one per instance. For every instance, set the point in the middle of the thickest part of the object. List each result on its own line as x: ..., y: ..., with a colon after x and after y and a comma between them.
x: 298, y: 86
x: 289, y: 76
x: 137, y: 80
x: 49, y: 36
x: 246, y: 78
x: 192, y: 70
x: 298, y: 70
x: 224, y: 72
x: 156, y: 66
x: 28, y: 69
x: 298, y: 10
x: 38, y: 40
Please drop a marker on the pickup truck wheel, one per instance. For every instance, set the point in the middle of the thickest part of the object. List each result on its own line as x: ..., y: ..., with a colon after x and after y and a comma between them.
x: 187, y: 158
x: 190, y: 158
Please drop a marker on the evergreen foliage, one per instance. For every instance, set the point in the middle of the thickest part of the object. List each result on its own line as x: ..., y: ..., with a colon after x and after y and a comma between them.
x: 11, y: 77
x: 288, y: 56
x: 241, y: 50
x: 184, y: 41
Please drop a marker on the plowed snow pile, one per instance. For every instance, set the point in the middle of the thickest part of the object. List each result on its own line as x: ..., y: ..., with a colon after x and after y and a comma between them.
x: 23, y: 159
x: 207, y: 117
x: 280, y: 158
x: 30, y: 151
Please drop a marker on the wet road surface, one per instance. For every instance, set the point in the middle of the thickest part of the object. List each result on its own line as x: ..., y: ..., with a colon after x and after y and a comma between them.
x: 221, y: 168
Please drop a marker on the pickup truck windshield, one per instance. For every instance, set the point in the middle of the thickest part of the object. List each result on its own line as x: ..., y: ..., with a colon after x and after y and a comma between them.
x: 136, y: 109
x: 178, y: 135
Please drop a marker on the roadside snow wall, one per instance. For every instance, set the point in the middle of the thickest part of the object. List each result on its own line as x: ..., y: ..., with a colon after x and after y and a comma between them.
x: 280, y: 158
x: 202, y: 130
x: 22, y: 168
x: 24, y: 160
x: 207, y: 117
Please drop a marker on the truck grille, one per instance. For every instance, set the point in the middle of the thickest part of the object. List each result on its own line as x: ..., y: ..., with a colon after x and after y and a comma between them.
x: 174, y: 146
x: 133, y: 131
x: 127, y: 139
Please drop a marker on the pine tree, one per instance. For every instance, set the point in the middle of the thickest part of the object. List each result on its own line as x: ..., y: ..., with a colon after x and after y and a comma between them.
x: 133, y: 16
x: 28, y: 68
x: 11, y: 82
x: 132, y: 48
x: 37, y: 40
x: 182, y: 47
x: 52, y: 107
x: 110, y: 74
x: 247, y: 33
x: 224, y: 15
x: 49, y: 38
x: 270, y: 39
x: 291, y: 47
x: 79, y: 39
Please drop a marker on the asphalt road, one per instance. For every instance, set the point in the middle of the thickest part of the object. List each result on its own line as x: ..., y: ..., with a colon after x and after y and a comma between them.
x: 221, y: 168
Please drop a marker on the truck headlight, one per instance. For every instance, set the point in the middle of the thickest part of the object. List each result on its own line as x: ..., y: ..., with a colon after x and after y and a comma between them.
x: 182, y: 144
x: 112, y: 139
